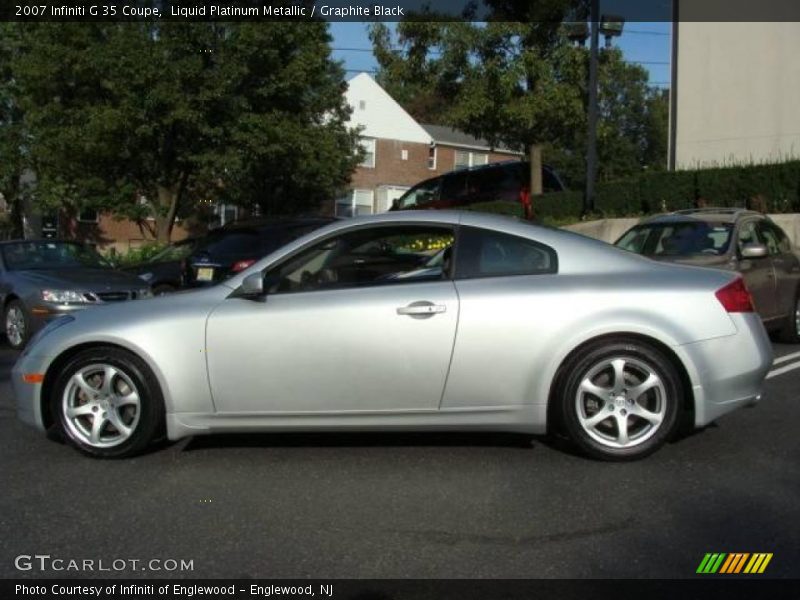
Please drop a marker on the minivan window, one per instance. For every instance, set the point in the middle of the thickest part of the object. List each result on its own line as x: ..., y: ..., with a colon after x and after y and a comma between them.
x: 421, y: 195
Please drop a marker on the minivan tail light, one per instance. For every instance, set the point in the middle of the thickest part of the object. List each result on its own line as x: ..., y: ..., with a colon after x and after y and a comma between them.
x: 735, y: 298
x: 241, y: 265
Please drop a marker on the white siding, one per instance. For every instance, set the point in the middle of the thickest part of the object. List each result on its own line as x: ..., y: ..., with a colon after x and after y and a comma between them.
x: 738, y: 93
x: 378, y: 113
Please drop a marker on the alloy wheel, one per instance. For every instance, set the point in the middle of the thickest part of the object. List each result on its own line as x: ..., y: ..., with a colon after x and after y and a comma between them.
x: 101, y: 405
x: 621, y: 402
x: 15, y: 326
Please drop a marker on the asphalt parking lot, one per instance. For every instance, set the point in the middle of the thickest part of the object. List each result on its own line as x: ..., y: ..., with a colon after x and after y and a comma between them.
x: 410, y: 506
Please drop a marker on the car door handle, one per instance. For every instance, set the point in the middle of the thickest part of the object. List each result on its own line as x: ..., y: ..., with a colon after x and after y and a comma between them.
x: 421, y: 309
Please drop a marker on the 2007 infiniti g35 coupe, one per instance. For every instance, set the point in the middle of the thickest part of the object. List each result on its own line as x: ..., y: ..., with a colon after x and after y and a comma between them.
x: 410, y: 321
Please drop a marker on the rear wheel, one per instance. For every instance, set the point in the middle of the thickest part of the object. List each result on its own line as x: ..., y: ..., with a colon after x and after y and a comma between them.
x: 108, y: 403
x: 621, y: 400
x: 17, y: 324
x: 790, y: 332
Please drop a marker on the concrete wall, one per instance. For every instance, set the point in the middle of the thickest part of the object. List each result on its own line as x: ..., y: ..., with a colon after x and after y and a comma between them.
x: 610, y: 230
x: 738, y: 86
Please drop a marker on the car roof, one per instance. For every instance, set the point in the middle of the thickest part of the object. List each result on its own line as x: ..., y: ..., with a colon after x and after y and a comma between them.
x: 709, y: 215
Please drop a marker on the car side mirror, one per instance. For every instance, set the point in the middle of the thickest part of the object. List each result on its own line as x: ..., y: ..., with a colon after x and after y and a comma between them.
x: 252, y: 286
x: 754, y: 251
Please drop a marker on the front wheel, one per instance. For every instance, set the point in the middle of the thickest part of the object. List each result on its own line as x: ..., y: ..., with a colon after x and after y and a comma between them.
x: 620, y: 400
x: 17, y: 325
x: 108, y: 403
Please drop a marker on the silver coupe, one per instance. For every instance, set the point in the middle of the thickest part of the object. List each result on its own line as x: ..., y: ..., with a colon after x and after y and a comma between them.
x: 410, y: 321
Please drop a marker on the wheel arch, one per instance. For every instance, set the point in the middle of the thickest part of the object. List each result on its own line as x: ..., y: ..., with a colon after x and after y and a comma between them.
x: 686, y: 383
x: 55, y: 366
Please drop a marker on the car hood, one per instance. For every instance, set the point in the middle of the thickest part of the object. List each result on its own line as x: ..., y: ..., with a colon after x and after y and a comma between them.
x: 83, y: 279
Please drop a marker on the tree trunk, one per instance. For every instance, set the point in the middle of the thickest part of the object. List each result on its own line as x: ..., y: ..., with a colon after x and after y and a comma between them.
x: 535, y: 153
x: 165, y: 215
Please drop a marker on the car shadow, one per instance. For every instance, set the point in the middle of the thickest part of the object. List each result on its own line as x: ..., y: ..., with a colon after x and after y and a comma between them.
x: 358, y: 440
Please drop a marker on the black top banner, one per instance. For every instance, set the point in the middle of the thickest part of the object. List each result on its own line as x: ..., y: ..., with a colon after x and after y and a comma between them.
x: 392, y: 10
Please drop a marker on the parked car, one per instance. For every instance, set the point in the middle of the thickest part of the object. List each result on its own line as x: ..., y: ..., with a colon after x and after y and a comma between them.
x: 42, y: 280
x: 507, y: 181
x: 521, y: 328
x: 736, y: 240
x: 233, y: 248
x: 164, y: 271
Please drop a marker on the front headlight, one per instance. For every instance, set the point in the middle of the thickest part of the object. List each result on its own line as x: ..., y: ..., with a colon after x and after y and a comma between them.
x: 47, y: 329
x: 63, y: 297
x: 146, y: 277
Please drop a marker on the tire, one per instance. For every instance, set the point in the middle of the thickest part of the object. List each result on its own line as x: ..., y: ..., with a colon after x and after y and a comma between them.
x: 642, y: 406
x: 163, y: 289
x: 790, y: 332
x: 118, y: 420
x: 16, y: 324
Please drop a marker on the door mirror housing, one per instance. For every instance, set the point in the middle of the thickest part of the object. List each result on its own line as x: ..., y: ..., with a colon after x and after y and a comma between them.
x: 252, y: 286
x: 754, y: 251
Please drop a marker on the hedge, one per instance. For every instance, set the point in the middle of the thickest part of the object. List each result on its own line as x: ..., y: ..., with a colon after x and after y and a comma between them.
x: 769, y: 188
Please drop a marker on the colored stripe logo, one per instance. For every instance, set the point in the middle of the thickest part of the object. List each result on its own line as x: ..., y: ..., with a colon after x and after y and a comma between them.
x: 734, y: 563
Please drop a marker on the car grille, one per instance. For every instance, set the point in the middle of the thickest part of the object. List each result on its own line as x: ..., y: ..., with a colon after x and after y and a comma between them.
x: 111, y: 296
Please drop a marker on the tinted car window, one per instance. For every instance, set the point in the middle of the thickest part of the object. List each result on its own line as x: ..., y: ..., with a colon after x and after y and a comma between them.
x: 497, y: 183
x: 454, y: 187
x: 770, y: 238
x: 420, y: 195
x: 747, y: 235
x: 781, y: 240
x: 232, y: 242
x: 681, y: 238
x: 374, y: 256
x: 483, y: 253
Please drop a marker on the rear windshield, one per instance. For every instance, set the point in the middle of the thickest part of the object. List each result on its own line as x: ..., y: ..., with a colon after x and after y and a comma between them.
x: 684, y: 238
x: 51, y: 255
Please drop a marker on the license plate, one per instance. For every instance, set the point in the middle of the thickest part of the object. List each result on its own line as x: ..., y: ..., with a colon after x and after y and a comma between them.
x: 205, y: 274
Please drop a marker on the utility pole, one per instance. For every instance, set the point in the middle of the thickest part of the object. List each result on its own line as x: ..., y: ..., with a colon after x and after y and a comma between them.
x: 591, y: 142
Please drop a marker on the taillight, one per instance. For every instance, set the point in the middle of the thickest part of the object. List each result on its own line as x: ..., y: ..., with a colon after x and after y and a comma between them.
x: 241, y: 265
x: 734, y: 297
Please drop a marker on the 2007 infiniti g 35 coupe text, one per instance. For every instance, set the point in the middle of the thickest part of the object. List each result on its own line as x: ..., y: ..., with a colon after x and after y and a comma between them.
x: 410, y: 321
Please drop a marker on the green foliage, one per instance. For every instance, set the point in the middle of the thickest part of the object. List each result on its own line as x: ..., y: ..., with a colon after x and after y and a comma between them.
x: 145, y: 119
x: 767, y: 188
x: 524, y: 83
x: 138, y: 255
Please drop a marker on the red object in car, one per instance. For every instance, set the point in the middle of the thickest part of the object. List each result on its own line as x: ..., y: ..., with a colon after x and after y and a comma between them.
x: 735, y: 298
x: 241, y: 265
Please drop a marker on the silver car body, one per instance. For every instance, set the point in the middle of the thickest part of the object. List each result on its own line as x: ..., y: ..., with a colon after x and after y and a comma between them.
x: 345, y: 359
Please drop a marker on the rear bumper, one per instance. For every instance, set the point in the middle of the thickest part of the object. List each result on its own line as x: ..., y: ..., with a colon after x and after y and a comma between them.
x: 729, y: 371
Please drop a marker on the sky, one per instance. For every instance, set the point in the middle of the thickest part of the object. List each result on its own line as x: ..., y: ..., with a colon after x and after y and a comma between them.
x: 642, y: 42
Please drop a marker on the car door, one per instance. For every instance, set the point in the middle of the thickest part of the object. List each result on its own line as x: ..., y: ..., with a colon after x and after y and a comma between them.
x: 785, y: 265
x: 354, y: 322
x: 758, y: 273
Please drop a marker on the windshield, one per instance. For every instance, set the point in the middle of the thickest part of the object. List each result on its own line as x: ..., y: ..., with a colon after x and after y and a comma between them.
x: 51, y: 255
x: 678, y: 239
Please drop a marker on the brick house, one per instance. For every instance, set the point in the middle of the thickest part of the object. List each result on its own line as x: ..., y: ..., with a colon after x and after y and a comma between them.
x: 401, y: 152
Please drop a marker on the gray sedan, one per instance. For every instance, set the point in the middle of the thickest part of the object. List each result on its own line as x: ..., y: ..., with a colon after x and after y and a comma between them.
x: 354, y: 327
x: 42, y: 280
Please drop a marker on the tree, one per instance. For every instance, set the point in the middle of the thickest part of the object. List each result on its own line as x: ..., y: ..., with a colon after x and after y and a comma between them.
x: 12, y: 142
x: 146, y: 119
x: 523, y: 84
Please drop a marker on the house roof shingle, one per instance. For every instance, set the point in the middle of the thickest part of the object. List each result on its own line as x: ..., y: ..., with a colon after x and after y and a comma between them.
x: 442, y: 134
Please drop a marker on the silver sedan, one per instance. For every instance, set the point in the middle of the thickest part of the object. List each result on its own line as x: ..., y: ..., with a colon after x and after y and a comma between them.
x: 410, y: 321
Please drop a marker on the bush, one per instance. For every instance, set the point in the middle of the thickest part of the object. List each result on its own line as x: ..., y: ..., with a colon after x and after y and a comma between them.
x: 137, y: 255
x: 768, y: 188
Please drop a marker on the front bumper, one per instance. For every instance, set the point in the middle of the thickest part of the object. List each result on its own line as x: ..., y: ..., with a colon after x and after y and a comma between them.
x: 28, y: 395
x: 729, y: 371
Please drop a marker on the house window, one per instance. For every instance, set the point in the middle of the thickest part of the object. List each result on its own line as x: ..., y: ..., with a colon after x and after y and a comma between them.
x: 88, y: 215
x: 466, y: 159
x: 368, y: 144
x: 357, y: 202
x: 227, y: 213
x: 404, y: 155
x: 432, y: 157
